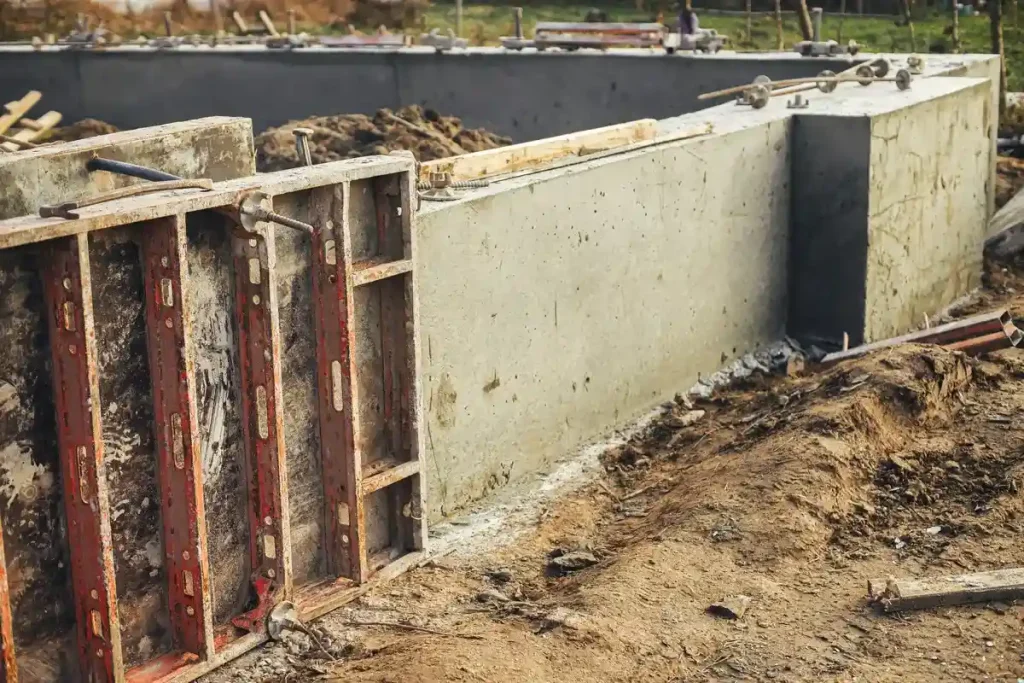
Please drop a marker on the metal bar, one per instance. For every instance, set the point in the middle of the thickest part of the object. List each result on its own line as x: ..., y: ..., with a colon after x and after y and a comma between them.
x: 174, y: 410
x: 967, y: 328
x: 67, y: 287
x: 331, y: 299
x: 986, y: 342
x: 8, y: 662
x: 262, y: 427
x: 598, y: 27
x: 124, y: 168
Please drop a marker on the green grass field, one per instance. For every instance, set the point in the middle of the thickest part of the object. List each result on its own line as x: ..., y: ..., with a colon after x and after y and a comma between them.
x: 485, y: 24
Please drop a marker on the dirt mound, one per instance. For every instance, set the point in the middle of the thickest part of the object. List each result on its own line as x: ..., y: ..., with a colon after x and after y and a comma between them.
x: 1009, y: 178
x: 424, y: 132
x: 855, y: 460
x: 80, y: 130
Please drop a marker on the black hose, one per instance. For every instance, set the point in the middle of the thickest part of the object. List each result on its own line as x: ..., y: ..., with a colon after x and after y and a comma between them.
x: 124, y: 168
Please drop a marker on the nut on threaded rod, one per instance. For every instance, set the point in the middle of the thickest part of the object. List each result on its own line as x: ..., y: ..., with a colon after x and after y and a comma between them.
x: 253, y: 210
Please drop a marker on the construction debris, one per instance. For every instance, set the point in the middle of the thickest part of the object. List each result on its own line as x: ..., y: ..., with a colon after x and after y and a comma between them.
x: 897, y: 595
x: 424, y: 132
x: 731, y: 607
x: 562, y: 562
x: 974, y: 335
x: 19, y: 129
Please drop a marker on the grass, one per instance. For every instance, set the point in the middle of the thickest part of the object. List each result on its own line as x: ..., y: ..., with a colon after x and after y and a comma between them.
x: 485, y: 24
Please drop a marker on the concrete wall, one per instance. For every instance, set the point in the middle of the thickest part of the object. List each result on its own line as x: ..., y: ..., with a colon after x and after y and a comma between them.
x: 890, y: 195
x: 558, y: 305
x: 525, y: 96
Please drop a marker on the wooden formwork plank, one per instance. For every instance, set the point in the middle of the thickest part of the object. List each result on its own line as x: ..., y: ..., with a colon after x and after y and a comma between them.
x: 39, y: 127
x: 67, y: 287
x: 332, y: 295
x: 532, y: 154
x: 8, y: 662
x: 17, y: 109
x: 176, y: 430
x: 259, y: 351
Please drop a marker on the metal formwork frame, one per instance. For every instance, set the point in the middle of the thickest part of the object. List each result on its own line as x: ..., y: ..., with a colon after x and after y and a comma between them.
x: 385, y: 276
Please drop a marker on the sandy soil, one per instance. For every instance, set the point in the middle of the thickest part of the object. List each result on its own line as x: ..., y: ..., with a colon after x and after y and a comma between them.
x: 426, y: 133
x: 792, y: 491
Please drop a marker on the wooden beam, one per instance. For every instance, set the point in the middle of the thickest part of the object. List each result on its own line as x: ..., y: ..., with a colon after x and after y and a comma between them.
x: 42, y: 125
x: 895, y: 595
x: 8, y: 662
x: 18, y: 108
x: 533, y: 154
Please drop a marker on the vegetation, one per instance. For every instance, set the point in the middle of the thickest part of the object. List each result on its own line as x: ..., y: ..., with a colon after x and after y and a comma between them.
x: 485, y: 24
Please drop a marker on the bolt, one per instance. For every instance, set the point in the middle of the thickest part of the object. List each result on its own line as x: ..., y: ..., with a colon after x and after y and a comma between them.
x: 798, y: 102
x: 302, y: 145
x: 251, y: 205
x: 190, y: 611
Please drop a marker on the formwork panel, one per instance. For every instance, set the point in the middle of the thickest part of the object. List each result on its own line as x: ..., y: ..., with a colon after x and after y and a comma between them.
x: 30, y: 480
x: 196, y: 358
x: 299, y: 386
x: 129, y: 450
x: 211, y: 306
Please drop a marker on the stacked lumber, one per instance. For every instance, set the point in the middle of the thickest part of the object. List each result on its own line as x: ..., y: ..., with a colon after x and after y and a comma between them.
x: 17, y: 131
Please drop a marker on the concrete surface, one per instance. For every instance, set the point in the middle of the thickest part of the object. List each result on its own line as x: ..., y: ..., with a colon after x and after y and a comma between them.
x: 217, y: 147
x: 559, y: 305
x: 890, y: 207
x: 523, y: 95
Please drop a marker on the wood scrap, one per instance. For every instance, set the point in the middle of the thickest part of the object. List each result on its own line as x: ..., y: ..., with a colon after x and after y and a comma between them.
x: 18, y: 108
x: 532, y: 154
x: 895, y: 595
x: 41, y: 126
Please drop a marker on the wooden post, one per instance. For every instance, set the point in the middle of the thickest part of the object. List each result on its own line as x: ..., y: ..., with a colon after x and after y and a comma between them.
x: 458, y: 18
x: 750, y: 28
x: 956, y: 25
x: 905, y: 8
x: 804, y: 16
x: 779, y: 41
x: 842, y: 14
x: 995, y: 16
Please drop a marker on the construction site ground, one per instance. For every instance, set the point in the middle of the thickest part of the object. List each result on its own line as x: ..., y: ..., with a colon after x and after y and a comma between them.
x: 791, y: 490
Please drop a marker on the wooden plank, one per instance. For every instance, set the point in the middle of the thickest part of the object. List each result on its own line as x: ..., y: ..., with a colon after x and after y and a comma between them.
x: 533, y: 154
x: 8, y: 662
x: 177, y: 437
x: 67, y: 286
x: 373, y: 270
x: 40, y: 127
x: 32, y: 229
x: 390, y: 476
x: 18, y: 108
x: 895, y: 595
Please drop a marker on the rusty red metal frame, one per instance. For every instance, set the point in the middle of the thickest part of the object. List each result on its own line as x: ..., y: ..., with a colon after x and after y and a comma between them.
x: 68, y: 291
x: 956, y: 331
x: 262, y: 431
x: 177, y: 439
x: 65, y: 272
x: 8, y: 663
x: 331, y: 298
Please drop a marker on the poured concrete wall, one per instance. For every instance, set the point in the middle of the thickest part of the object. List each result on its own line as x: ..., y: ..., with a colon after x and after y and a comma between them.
x: 558, y: 305
x: 524, y: 96
x: 890, y: 195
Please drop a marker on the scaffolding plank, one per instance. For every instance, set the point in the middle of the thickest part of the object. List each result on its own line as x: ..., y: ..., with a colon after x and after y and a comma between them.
x: 331, y: 299
x: 67, y: 288
x: 259, y: 350
x: 177, y: 438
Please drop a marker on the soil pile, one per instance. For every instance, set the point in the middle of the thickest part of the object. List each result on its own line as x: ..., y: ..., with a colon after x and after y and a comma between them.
x: 80, y: 130
x: 424, y: 132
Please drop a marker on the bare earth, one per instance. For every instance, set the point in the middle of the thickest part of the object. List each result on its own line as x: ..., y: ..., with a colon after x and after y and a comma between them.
x: 791, y: 491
